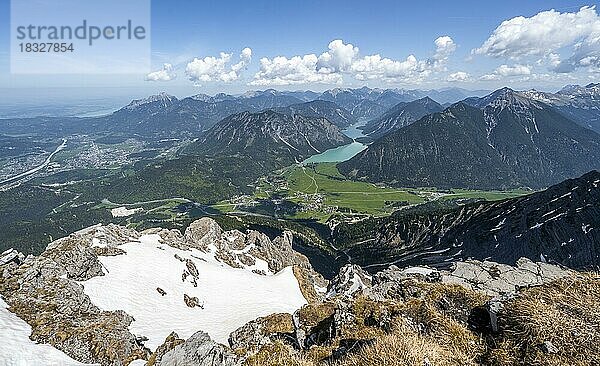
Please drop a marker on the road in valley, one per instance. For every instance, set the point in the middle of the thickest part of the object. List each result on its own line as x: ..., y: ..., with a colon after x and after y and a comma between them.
x: 37, y: 168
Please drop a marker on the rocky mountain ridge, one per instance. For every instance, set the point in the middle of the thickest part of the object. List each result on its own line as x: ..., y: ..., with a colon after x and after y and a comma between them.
x: 320, y: 108
x: 270, y: 136
x: 559, y: 224
x: 49, y: 292
x: 502, y: 141
x: 401, y: 115
x: 578, y: 103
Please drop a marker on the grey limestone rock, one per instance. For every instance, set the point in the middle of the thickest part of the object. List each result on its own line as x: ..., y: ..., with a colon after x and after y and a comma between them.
x: 199, y: 350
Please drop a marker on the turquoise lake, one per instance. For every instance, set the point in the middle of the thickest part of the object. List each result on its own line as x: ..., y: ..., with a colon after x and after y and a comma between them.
x: 341, y: 153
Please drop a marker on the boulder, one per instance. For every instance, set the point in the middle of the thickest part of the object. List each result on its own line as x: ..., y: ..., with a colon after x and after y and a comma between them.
x: 11, y: 256
x: 262, y: 331
x: 76, y: 256
x: 199, y: 350
x: 202, y: 233
x: 350, y: 281
x: 169, y: 344
x: 191, y: 301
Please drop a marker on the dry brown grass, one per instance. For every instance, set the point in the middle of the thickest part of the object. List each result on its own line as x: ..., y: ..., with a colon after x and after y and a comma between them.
x: 277, y: 354
x: 277, y: 323
x: 404, y: 347
x: 313, y: 314
x: 430, y: 330
x: 565, y: 312
x: 306, y: 286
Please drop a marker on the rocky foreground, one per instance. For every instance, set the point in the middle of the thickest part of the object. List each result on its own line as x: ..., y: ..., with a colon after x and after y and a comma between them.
x: 478, y: 313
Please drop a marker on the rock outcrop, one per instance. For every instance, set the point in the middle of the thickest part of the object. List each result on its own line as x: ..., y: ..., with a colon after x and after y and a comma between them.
x: 40, y: 292
x: 262, y: 331
x: 199, y: 350
x: 251, y: 250
x: 496, y: 279
x: 47, y: 292
x: 11, y: 256
x: 351, y: 280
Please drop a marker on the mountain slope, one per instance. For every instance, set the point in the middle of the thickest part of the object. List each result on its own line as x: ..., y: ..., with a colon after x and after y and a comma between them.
x: 107, y: 295
x: 560, y: 224
x: 166, y: 116
x: 578, y: 103
x: 270, y: 98
x: 320, y: 108
x: 503, y: 140
x: 270, y: 137
x: 401, y: 115
x: 367, y: 104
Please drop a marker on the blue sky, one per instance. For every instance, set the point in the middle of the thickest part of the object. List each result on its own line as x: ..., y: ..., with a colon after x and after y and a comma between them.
x: 376, y: 41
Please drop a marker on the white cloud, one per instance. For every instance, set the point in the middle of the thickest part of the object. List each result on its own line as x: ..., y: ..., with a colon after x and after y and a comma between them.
x: 376, y: 67
x: 546, y: 34
x: 445, y: 46
x: 296, y: 70
x: 504, y: 71
x: 586, y: 54
x: 343, y: 59
x: 489, y: 77
x: 218, y: 69
x: 339, y: 57
x: 540, y: 34
x: 458, y: 76
x: 516, y: 70
x: 165, y: 74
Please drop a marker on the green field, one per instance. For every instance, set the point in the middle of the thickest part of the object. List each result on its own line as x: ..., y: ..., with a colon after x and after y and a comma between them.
x: 322, y: 191
x: 361, y: 197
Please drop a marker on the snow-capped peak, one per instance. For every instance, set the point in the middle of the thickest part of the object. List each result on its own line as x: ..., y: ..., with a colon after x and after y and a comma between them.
x: 202, y: 97
x: 507, y: 97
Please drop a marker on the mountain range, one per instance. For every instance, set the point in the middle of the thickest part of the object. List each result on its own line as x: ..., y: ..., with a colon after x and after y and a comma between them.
x: 503, y: 140
x: 320, y: 108
x: 269, y: 136
x: 165, y: 116
x: 401, y: 115
x: 579, y: 103
x: 560, y: 224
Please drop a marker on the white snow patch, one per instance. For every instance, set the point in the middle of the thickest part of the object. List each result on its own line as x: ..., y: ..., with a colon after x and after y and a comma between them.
x: 499, y: 225
x: 124, y: 211
x: 96, y: 243
x: 16, y: 349
x: 419, y: 270
x: 563, y: 196
x: 232, y: 297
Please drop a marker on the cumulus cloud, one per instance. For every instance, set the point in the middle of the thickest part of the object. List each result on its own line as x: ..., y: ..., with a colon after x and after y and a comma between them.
x: 344, y: 59
x: 445, y: 46
x: 376, y: 67
x: 547, y: 33
x: 458, y: 76
x: 586, y: 54
x: 339, y: 58
x: 165, y: 74
x: 507, y: 71
x: 296, y: 70
x: 489, y: 77
x: 516, y: 70
x: 212, y: 68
